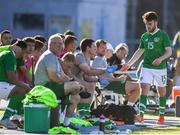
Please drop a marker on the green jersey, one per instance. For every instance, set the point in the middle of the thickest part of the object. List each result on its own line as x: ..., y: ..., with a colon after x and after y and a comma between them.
x: 8, y: 63
x: 20, y: 61
x: 4, y: 48
x: 154, y: 46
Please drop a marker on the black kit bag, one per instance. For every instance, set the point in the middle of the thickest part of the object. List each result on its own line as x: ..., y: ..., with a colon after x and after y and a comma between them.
x: 114, y: 112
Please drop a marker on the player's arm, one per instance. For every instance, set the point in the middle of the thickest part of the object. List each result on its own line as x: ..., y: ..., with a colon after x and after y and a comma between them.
x: 72, y: 76
x: 10, y: 71
x: 136, y: 56
x: 90, y: 71
x: 90, y: 78
x: 26, y: 73
x: 55, y: 77
x: 13, y: 80
x: 166, y: 55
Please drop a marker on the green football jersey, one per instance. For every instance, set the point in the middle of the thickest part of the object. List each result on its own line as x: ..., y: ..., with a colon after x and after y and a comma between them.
x: 154, y: 46
x: 20, y: 61
x: 8, y: 63
x: 4, y: 48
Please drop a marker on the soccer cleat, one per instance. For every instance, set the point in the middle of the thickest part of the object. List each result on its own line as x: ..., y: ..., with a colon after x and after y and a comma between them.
x: 8, y: 124
x: 140, y: 118
x: 160, y: 121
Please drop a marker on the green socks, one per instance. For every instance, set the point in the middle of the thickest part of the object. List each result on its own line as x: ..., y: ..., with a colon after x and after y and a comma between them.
x: 142, y: 105
x: 83, y: 109
x: 162, y: 104
x: 15, y: 106
x: 64, y: 102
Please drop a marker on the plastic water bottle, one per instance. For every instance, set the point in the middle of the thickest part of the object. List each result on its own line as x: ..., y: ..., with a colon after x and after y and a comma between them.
x: 101, y: 123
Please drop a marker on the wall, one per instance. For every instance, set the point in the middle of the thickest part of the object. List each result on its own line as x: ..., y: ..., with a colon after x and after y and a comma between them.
x: 104, y: 19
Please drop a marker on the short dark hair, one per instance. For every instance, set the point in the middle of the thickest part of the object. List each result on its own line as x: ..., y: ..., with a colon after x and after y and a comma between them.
x: 68, y: 32
x: 4, y: 32
x: 15, y: 40
x: 149, y: 16
x: 40, y: 38
x: 21, y: 44
x: 38, y: 45
x: 100, y: 41
x: 86, y: 42
x: 29, y: 39
x: 68, y: 39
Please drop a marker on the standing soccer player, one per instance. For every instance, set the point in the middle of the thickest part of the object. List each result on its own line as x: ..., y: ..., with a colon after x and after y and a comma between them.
x: 155, y: 45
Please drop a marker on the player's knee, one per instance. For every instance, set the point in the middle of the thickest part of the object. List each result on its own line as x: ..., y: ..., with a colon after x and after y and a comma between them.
x: 21, y: 90
x: 75, y: 99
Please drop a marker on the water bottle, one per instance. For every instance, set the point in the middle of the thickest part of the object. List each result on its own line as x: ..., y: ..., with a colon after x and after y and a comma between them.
x: 101, y: 123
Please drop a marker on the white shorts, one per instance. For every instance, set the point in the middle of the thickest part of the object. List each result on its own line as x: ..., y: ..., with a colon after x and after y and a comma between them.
x: 157, y: 77
x: 5, y: 89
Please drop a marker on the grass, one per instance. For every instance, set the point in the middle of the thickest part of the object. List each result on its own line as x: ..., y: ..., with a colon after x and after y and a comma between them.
x: 1, y: 113
x: 165, y: 130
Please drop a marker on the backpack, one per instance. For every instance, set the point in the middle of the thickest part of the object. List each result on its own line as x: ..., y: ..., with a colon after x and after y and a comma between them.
x: 114, y: 112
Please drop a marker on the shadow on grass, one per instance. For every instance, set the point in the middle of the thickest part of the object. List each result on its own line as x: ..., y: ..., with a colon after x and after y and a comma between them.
x: 156, y: 114
x: 157, y: 131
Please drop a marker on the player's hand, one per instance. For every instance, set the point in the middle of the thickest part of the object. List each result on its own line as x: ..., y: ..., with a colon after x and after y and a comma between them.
x: 26, y: 87
x: 125, y: 67
x: 111, y: 69
x: 157, y: 62
x: 122, y: 77
x: 104, y: 81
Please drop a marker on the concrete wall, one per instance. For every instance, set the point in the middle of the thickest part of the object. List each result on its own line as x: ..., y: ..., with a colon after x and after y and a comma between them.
x: 108, y: 19
x: 93, y: 18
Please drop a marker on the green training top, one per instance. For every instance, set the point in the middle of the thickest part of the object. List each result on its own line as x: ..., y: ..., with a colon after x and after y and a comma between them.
x: 20, y: 61
x: 4, y: 48
x: 7, y: 63
x: 154, y: 46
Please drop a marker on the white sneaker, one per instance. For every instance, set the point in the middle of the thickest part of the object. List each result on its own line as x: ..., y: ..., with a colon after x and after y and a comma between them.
x: 17, y: 120
x: 8, y: 124
x: 17, y: 117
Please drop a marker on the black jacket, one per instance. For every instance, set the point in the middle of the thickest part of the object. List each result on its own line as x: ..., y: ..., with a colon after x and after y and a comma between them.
x: 114, y: 61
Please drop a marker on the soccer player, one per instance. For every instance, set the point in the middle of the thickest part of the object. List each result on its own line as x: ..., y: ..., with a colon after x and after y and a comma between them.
x: 155, y: 45
x: 5, y: 38
x: 11, y: 88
